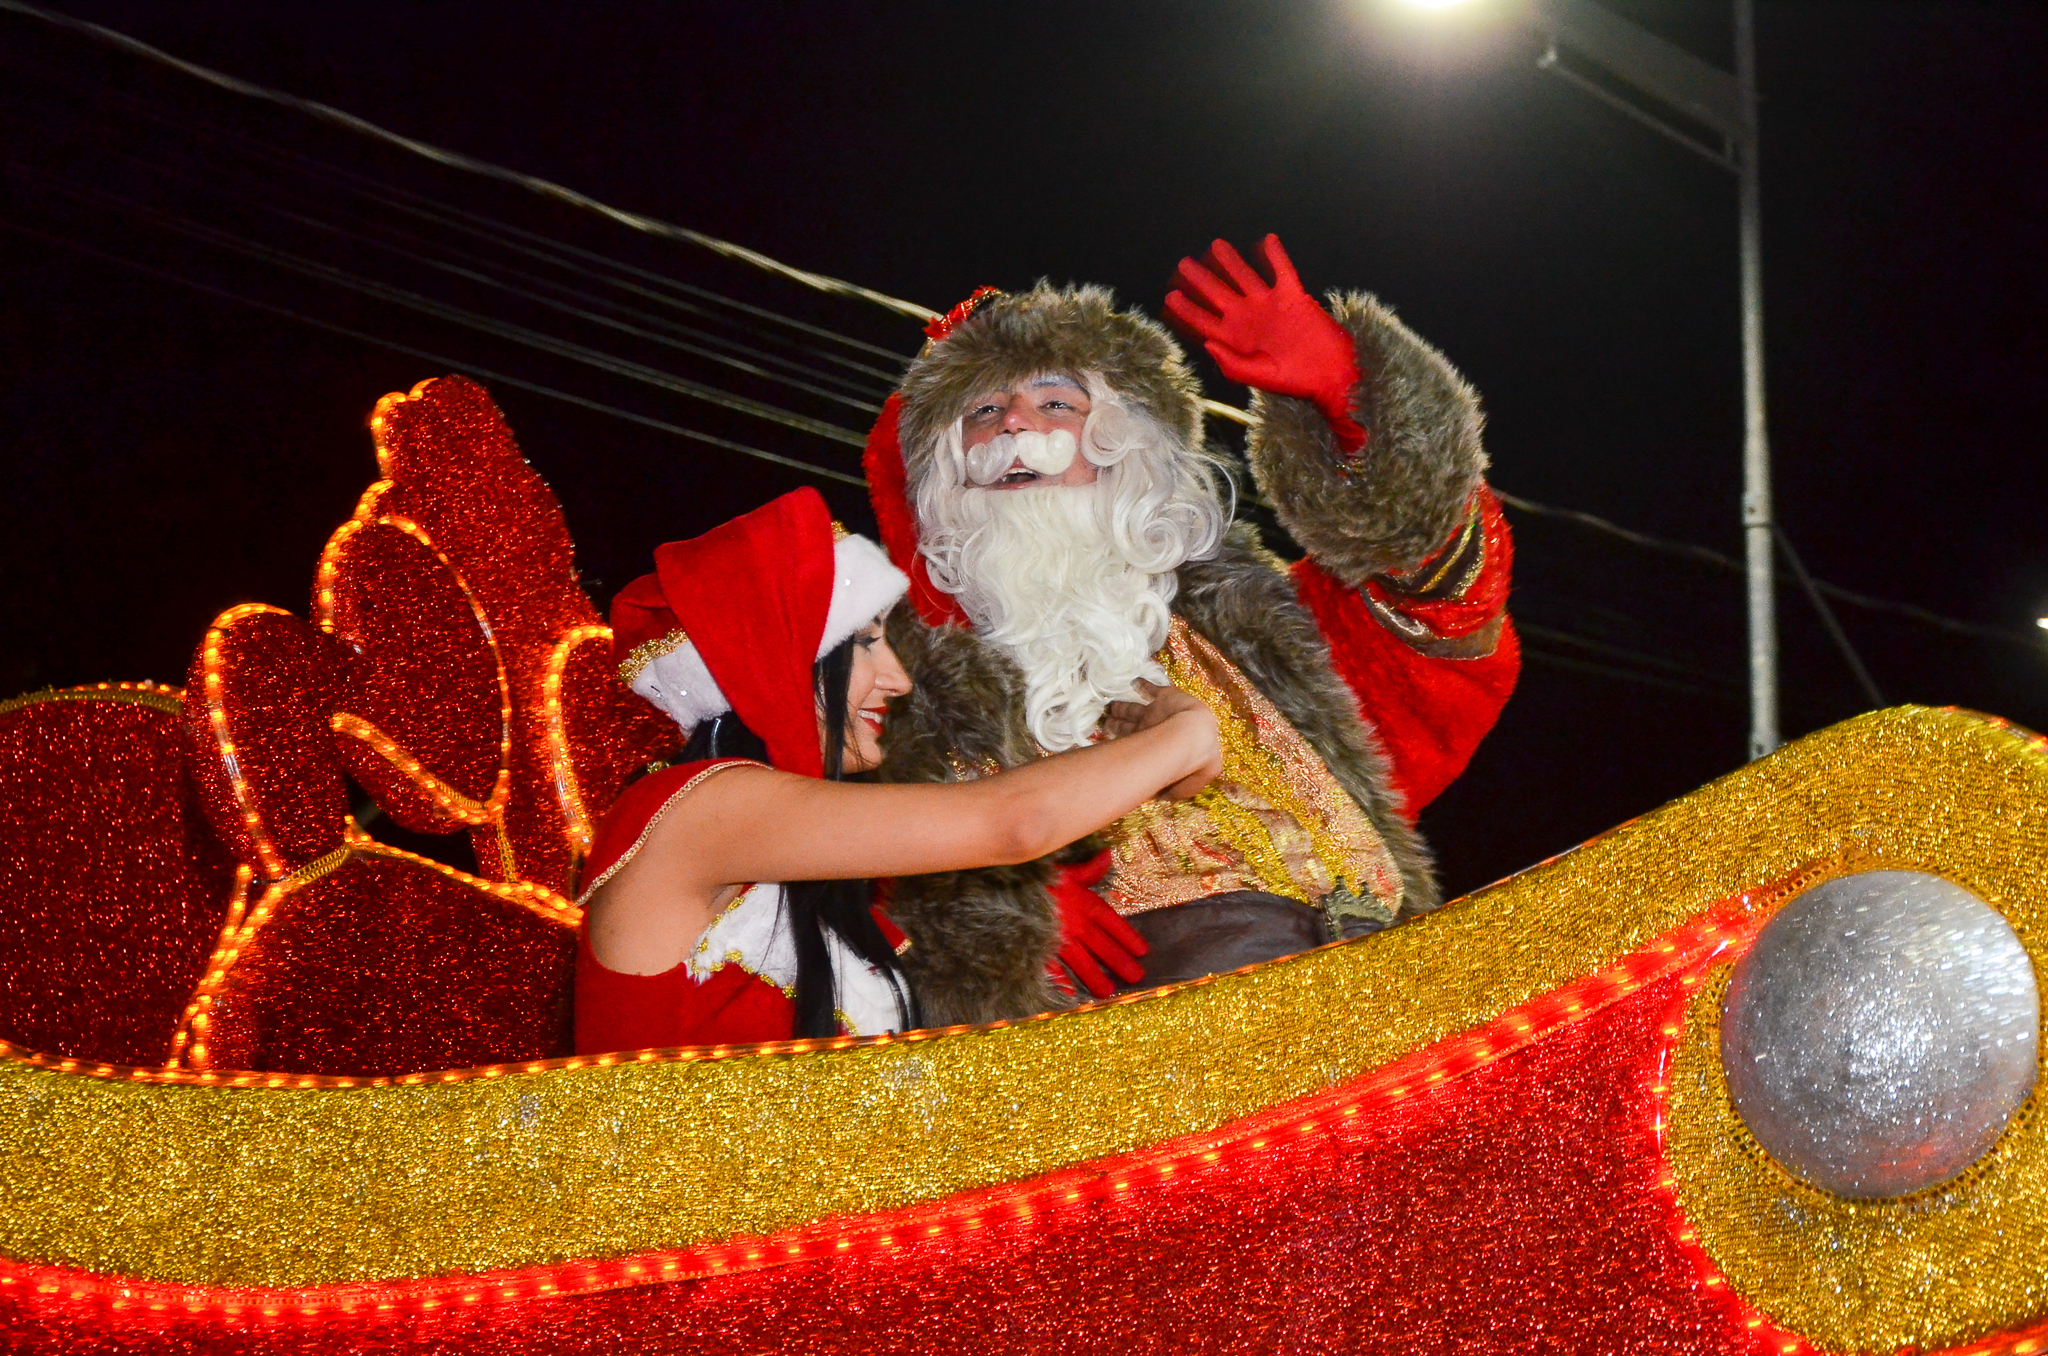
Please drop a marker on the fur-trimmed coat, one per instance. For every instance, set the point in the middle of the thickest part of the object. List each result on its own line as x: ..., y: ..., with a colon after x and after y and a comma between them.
x: 1387, y: 648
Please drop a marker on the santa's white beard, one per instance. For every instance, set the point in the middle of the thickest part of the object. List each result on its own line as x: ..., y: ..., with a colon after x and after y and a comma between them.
x: 1041, y: 573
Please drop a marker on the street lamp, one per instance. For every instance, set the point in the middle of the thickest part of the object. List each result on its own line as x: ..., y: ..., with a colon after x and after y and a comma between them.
x: 1724, y: 105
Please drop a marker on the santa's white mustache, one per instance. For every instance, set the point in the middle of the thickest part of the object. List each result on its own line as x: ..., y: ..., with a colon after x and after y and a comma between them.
x: 1049, y: 454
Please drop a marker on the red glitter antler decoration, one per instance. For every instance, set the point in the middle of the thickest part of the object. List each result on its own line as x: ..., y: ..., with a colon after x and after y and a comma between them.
x: 456, y: 671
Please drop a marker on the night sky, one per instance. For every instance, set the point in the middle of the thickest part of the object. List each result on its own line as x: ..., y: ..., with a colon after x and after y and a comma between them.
x: 171, y: 452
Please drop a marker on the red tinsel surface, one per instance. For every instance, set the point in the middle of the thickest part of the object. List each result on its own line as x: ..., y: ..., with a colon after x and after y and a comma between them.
x: 261, y: 689
x: 421, y: 669
x: 113, y: 888
x: 457, y: 473
x: 388, y: 966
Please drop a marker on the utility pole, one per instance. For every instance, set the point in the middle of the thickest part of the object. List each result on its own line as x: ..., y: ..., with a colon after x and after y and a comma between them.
x: 1725, y: 106
x: 1756, y: 447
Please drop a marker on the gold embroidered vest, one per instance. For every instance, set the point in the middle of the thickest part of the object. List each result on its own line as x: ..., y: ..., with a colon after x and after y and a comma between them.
x: 1275, y: 819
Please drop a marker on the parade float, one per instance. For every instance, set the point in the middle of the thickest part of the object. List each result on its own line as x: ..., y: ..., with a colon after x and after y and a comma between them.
x: 1755, y: 1072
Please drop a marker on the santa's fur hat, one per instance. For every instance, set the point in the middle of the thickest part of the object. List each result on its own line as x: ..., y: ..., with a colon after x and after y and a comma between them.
x: 991, y: 341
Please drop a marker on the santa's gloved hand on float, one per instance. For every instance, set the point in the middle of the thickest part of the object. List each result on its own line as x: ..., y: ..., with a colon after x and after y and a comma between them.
x: 1093, y: 936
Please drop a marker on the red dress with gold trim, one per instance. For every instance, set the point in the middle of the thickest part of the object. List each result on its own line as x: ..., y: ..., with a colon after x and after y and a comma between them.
x: 738, y: 983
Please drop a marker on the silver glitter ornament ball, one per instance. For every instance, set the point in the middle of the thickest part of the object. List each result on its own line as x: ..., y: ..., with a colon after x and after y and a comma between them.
x: 1881, y: 1032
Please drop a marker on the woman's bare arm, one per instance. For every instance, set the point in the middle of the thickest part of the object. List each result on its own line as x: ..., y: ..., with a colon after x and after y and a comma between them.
x: 761, y: 825
x: 756, y: 824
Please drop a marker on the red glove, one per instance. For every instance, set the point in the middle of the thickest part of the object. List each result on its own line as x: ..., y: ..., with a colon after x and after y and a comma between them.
x: 1091, y: 931
x: 1275, y: 337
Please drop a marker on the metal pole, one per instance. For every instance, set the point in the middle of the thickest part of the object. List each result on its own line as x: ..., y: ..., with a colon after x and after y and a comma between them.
x: 1756, y: 448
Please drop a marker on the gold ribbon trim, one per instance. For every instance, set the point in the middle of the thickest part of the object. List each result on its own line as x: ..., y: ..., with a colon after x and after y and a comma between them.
x: 117, y: 1172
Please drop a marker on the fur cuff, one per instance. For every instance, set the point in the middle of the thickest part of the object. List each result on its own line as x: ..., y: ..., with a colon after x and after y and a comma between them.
x: 980, y: 940
x: 1394, y: 505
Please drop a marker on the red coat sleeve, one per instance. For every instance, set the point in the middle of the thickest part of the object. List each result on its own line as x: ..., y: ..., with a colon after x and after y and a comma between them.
x: 1430, y: 655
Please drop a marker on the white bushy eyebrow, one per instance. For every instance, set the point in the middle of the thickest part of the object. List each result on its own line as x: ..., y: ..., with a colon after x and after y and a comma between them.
x: 1070, y: 380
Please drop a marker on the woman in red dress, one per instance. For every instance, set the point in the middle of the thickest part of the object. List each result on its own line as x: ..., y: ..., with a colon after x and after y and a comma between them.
x: 763, y: 639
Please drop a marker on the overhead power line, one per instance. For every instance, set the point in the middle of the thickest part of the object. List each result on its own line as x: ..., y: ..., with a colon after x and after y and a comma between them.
x: 1646, y: 669
x: 1707, y: 686
x: 560, y: 254
x: 1827, y: 619
x: 1671, y: 670
x: 1708, y: 556
x: 470, y: 164
x: 839, y: 287
x: 459, y: 315
x: 868, y: 406
x: 533, y: 183
x: 441, y: 360
x: 1665, y: 545
x: 860, y: 379
x: 609, y: 272
x: 1577, y: 665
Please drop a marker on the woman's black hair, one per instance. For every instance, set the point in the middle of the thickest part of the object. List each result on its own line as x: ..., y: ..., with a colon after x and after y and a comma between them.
x: 814, y: 905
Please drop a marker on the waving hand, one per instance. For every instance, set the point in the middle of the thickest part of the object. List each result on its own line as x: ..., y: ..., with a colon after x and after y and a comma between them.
x: 1273, y: 336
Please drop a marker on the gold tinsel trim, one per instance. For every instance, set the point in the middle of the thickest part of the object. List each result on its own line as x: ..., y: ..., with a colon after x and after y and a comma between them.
x: 647, y: 651
x: 505, y: 1168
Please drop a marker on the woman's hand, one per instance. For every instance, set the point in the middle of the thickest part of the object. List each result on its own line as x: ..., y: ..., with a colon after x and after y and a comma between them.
x: 1127, y: 718
x: 1206, y: 754
x: 1195, y: 724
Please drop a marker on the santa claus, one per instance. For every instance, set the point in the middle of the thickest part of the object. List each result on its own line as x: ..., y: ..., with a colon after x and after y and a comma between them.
x: 1042, y: 477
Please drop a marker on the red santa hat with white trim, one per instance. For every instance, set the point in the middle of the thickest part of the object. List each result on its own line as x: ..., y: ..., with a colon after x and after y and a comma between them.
x: 735, y: 619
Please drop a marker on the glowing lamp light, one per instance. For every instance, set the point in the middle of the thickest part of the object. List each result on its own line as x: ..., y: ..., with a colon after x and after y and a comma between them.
x: 2041, y: 622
